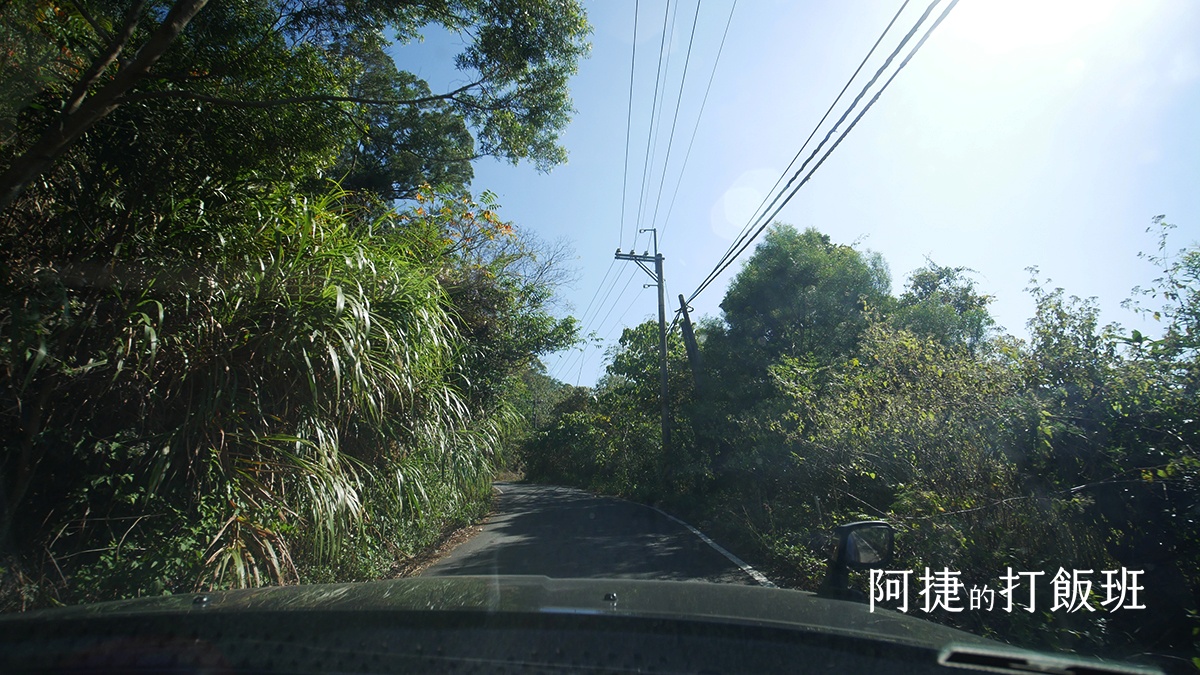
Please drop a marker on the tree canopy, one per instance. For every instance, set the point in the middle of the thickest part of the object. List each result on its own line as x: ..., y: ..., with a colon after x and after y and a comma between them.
x: 298, y: 81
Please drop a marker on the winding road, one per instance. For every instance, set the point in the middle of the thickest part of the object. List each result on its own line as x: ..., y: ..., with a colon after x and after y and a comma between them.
x: 567, y: 533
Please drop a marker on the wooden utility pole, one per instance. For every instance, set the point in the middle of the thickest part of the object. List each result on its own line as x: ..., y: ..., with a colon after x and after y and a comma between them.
x: 689, y: 343
x: 657, y: 275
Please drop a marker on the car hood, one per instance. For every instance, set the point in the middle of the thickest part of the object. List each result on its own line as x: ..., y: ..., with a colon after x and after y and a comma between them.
x: 692, y: 608
x: 537, y: 594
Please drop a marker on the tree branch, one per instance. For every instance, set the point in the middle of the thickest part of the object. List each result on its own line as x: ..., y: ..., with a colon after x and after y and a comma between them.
x: 71, y: 124
x: 117, y: 44
x: 293, y: 100
x: 444, y: 159
x: 104, y: 35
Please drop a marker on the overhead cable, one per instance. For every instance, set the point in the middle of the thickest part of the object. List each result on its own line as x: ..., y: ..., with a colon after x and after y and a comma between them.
x: 583, y: 316
x: 751, y: 222
x: 600, y: 324
x: 653, y: 108
x: 636, y: 296
x: 696, y: 127
x: 592, y: 325
x: 675, y: 119
x: 628, y: 124
x: 765, y: 221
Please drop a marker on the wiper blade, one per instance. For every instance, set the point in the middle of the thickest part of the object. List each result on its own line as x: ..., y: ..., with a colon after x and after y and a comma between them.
x: 1000, y: 660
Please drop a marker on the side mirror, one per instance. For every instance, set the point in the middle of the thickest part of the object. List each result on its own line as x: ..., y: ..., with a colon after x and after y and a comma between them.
x: 866, y: 544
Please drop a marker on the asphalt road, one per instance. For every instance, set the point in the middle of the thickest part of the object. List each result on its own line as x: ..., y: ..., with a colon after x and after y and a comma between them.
x: 569, y: 534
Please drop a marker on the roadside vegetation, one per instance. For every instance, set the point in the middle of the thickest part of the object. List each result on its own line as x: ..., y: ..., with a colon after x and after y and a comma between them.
x: 255, y: 327
x: 823, y: 398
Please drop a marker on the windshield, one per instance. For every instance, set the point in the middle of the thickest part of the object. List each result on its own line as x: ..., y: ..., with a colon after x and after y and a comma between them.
x: 301, y: 291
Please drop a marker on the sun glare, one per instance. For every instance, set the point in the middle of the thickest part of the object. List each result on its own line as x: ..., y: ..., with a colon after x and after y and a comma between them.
x: 1029, y: 27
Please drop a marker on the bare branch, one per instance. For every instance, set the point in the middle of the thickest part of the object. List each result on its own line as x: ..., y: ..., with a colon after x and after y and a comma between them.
x: 116, y: 45
x: 71, y: 124
x: 292, y: 100
x: 104, y: 35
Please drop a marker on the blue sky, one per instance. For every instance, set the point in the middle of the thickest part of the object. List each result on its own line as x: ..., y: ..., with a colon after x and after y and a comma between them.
x: 1025, y: 133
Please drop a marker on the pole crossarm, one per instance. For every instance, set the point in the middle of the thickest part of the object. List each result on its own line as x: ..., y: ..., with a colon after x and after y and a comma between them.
x: 641, y: 261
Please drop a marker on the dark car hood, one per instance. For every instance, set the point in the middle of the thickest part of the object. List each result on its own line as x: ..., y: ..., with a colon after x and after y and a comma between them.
x: 537, y: 594
x: 364, y: 609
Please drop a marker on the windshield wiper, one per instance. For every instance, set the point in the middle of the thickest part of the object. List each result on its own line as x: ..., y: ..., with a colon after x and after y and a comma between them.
x: 1000, y: 660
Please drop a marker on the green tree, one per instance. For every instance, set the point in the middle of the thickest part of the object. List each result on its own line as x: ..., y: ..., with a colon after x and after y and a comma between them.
x: 535, y: 397
x: 285, y: 398
x: 610, y: 438
x: 1111, y: 419
x: 831, y: 402
x: 942, y: 303
x: 322, y: 61
x: 800, y: 298
x: 268, y: 377
x: 801, y: 294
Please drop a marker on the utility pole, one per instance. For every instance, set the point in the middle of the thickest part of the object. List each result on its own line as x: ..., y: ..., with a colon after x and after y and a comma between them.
x: 657, y: 275
x: 693, y: 350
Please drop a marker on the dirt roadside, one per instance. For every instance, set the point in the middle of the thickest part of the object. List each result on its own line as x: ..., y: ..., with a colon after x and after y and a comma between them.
x: 449, y: 541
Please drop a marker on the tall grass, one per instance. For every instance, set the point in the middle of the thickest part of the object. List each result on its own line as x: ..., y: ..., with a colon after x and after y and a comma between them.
x: 285, y: 374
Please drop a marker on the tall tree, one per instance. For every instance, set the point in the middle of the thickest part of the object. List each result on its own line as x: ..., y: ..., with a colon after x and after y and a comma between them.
x: 272, y: 54
x: 800, y: 295
x: 942, y: 303
x: 83, y: 106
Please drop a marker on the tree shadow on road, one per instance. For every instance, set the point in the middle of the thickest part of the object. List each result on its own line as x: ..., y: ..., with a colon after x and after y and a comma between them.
x: 566, y: 533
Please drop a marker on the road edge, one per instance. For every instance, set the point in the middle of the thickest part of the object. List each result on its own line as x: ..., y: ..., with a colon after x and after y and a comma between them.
x: 754, y: 574
x: 456, y: 538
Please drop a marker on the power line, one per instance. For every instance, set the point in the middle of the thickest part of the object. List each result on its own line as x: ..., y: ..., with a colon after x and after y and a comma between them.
x: 753, y: 221
x: 624, y: 174
x: 838, y: 142
x: 651, y: 140
x: 583, y: 316
x: 621, y: 319
x: 728, y: 260
x: 703, y: 103
x: 628, y: 124
x: 633, y: 274
x: 653, y: 107
x: 637, y: 296
x: 603, y: 302
x: 739, y: 246
x: 583, y: 319
x: 600, y: 324
x: 675, y: 119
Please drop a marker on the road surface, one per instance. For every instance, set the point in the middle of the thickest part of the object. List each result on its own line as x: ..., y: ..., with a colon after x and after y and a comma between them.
x: 566, y: 533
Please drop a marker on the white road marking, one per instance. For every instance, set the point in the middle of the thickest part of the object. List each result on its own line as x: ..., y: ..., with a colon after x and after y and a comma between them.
x: 754, y: 574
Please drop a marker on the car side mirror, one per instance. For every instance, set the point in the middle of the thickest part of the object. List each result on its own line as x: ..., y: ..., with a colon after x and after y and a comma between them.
x: 867, y: 544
